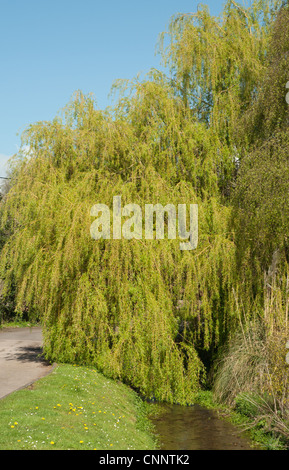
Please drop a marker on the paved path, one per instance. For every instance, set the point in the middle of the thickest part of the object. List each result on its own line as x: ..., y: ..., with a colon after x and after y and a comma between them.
x: 20, y: 358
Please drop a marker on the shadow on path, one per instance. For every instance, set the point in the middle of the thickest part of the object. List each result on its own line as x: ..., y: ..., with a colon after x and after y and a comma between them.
x: 21, y: 359
x: 28, y: 354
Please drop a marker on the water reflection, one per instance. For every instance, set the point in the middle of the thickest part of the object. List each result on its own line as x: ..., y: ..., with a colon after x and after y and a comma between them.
x: 197, y: 428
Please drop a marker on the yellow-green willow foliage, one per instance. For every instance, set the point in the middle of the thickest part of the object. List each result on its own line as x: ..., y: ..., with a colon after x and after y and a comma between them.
x: 254, y: 361
x: 261, y: 192
x: 269, y: 111
x: 138, y: 310
x: 216, y: 62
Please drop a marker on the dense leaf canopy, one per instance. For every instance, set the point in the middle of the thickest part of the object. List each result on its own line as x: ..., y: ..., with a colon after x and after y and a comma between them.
x: 143, y: 310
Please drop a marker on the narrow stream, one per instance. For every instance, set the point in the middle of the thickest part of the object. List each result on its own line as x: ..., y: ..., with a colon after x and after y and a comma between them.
x: 197, y: 428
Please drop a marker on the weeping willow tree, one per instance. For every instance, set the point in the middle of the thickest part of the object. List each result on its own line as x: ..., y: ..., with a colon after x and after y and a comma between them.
x: 255, y: 362
x: 261, y: 193
x: 216, y: 63
x: 139, y: 310
x: 219, y: 68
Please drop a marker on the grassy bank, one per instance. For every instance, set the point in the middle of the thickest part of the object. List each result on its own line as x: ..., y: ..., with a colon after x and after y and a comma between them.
x: 253, y: 425
x: 75, y: 408
x: 18, y: 323
x: 78, y: 408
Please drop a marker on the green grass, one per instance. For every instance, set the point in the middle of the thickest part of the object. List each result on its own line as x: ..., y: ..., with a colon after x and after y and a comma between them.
x: 18, y: 324
x: 75, y: 408
x: 258, y: 433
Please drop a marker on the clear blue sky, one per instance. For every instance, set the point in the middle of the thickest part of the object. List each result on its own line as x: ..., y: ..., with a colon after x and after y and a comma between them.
x: 50, y: 49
